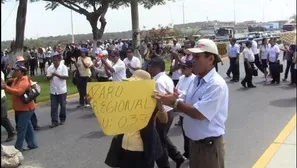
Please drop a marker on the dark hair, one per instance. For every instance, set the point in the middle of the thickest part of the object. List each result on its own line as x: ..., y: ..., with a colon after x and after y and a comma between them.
x: 233, y: 40
x: 131, y: 49
x: 248, y: 43
x: 264, y: 40
x: 157, y: 62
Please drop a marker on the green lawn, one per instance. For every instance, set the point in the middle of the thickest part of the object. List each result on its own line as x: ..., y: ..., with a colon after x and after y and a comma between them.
x: 44, y: 95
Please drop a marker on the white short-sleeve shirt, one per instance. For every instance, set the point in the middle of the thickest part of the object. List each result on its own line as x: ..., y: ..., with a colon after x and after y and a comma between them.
x: 134, y: 62
x: 255, y: 47
x: 57, y: 86
x: 163, y: 83
x: 273, y: 52
x: 119, y: 71
x: 210, y: 96
x: 233, y: 51
x: 264, y: 51
x: 248, y: 54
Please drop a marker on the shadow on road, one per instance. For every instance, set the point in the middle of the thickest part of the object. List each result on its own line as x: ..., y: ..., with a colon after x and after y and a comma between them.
x: 87, y: 116
x: 242, y: 89
x: 290, y: 102
x: 93, y: 135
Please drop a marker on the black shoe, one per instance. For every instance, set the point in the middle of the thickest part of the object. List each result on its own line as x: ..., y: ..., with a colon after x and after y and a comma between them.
x: 54, y: 125
x: 243, y: 84
x: 37, y: 128
x: 180, y: 162
x: 234, y: 80
x: 62, y: 122
x: 228, y: 75
x: 252, y: 86
x: 10, y: 137
x: 272, y: 82
x: 80, y: 106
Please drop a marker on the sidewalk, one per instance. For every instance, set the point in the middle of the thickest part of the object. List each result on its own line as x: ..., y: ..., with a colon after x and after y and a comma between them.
x: 285, y: 157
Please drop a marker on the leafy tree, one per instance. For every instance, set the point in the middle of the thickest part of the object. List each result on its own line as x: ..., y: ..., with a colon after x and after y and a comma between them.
x: 99, y: 9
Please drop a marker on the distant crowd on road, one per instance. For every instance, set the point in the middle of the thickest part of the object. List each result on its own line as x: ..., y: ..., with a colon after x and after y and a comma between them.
x: 192, y: 88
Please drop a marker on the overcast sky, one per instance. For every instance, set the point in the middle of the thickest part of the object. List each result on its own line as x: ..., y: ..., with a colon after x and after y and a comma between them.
x: 51, y: 23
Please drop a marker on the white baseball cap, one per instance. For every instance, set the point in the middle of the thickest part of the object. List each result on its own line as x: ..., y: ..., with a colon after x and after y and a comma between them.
x: 204, y: 45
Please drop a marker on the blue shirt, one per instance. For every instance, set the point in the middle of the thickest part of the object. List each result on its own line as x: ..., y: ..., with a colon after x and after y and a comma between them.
x: 210, y: 96
x: 233, y: 51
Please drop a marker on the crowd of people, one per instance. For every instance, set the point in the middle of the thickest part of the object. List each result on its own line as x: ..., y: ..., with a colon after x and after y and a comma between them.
x: 193, y: 89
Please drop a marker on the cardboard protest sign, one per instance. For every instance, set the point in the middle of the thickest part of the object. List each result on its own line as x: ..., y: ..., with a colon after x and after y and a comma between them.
x: 122, y: 107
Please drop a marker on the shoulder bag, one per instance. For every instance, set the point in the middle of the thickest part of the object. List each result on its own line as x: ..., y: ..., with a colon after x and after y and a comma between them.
x: 30, y: 94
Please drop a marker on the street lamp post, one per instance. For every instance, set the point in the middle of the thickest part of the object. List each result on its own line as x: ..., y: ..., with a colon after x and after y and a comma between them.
x: 72, y: 26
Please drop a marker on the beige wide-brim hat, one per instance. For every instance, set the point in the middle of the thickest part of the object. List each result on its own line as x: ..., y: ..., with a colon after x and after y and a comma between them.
x: 205, y: 45
x: 139, y: 75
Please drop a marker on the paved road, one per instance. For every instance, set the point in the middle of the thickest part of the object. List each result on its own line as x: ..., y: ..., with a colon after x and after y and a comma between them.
x: 256, y: 116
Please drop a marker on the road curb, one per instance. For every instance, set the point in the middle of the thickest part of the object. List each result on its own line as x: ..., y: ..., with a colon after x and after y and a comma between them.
x: 44, y: 103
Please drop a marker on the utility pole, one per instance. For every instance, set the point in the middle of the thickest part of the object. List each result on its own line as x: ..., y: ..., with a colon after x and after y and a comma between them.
x: 183, y: 9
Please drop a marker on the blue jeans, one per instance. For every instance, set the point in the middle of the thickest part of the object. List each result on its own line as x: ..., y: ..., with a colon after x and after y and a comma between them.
x: 25, y: 130
x: 57, y: 100
x: 145, y: 65
x: 82, y: 89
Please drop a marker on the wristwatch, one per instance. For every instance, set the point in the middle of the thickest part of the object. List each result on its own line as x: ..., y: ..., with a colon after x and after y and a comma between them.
x: 175, y: 103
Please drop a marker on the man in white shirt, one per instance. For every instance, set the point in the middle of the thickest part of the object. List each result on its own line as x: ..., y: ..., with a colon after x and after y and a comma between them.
x: 181, y: 88
x: 132, y: 63
x: 256, y: 54
x: 118, y: 68
x: 273, y: 58
x: 5, y: 122
x: 205, y: 108
x: 233, y: 53
x: 57, y: 73
x: 163, y: 82
x: 176, y: 46
x: 249, y: 59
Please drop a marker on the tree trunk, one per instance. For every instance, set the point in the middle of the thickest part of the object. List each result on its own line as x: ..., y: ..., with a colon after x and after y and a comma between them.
x: 97, y: 33
x: 17, y: 48
x: 135, y: 27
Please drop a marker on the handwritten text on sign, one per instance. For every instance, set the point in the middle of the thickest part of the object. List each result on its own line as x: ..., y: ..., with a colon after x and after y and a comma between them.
x: 122, y: 107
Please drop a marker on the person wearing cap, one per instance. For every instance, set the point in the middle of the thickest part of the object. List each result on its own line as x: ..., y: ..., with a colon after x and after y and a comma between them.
x: 24, y: 111
x: 83, y: 66
x: 249, y: 60
x: 102, y: 74
x: 118, y: 67
x: 233, y: 53
x: 156, y: 68
x: 205, y: 108
x: 57, y: 73
x: 5, y: 122
x: 256, y: 53
x: 183, y: 84
x: 132, y: 63
x: 142, y: 148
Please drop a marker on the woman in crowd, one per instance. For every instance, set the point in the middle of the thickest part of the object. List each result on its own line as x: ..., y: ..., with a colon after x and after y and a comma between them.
x: 249, y: 60
x: 264, y: 50
x: 24, y: 111
x: 83, y: 65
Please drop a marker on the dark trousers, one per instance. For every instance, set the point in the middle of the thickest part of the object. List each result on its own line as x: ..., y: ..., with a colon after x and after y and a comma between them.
x: 234, y: 68
x: 275, y: 71
x: 289, y: 67
x: 57, y: 100
x: 294, y: 77
x: 229, y: 69
x: 102, y: 79
x: 248, y: 73
x: 33, y: 119
x: 5, y: 122
x: 186, y: 140
x: 169, y: 149
x: 134, y: 159
x: 258, y: 63
x: 207, y: 153
x: 175, y: 82
x: 82, y: 89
